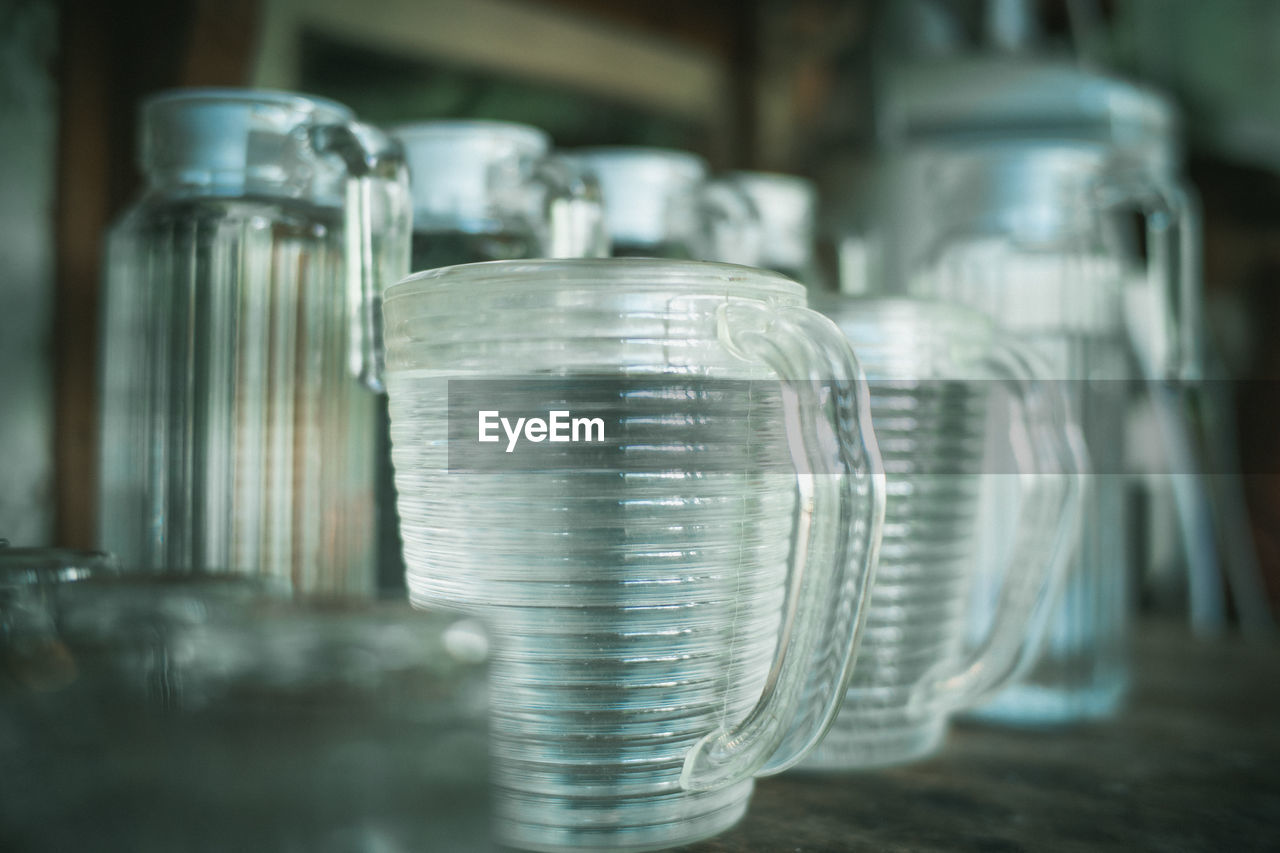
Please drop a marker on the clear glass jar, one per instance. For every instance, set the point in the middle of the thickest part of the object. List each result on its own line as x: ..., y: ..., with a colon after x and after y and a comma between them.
x: 241, y: 339
x: 1022, y: 231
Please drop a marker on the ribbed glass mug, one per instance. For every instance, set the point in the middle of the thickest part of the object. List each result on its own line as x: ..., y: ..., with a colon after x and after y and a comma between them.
x: 676, y: 611
x: 662, y: 203
x: 241, y: 339
x: 1028, y: 233
x: 933, y: 369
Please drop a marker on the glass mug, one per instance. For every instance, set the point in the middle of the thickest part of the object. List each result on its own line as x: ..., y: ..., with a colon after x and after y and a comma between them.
x: 241, y: 339
x: 1028, y: 233
x: 675, y: 612
x: 661, y: 203
x: 932, y: 368
x: 158, y: 713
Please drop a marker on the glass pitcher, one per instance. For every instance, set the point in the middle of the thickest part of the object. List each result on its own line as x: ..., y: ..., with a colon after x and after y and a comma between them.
x: 491, y: 190
x: 1025, y: 232
x: 660, y: 203
x: 675, y: 598
x: 932, y: 368
x: 787, y: 206
x: 155, y: 713
x: 241, y: 339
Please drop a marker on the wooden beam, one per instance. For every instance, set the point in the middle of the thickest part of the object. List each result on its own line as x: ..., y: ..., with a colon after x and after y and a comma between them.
x: 84, y: 178
x: 547, y: 44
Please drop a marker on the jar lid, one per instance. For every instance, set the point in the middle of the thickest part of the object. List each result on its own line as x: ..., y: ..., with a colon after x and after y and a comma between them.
x: 640, y: 187
x: 231, y: 141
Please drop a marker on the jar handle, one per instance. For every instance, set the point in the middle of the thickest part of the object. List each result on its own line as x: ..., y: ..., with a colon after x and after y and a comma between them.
x: 1171, y: 218
x: 1052, y: 474
x: 568, y: 201
x: 377, y: 226
x: 1186, y: 259
x: 841, y: 497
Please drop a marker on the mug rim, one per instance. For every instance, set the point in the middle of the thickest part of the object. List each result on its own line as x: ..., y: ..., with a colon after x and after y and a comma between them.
x: 631, y: 274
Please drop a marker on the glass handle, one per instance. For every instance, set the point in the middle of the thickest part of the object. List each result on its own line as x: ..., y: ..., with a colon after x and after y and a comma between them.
x: 1188, y: 290
x: 377, y: 226
x: 1173, y: 244
x: 1173, y: 235
x: 729, y: 224
x: 841, y: 499
x: 572, y: 211
x: 1052, y: 473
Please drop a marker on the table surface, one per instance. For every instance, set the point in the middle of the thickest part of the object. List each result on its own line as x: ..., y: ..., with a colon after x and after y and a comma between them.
x: 1192, y: 763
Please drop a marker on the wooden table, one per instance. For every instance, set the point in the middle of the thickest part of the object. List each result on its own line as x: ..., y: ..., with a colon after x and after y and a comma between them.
x: 1192, y: 763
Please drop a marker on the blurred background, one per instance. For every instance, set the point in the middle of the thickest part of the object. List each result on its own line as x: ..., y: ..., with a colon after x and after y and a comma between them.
x: 802, y: 87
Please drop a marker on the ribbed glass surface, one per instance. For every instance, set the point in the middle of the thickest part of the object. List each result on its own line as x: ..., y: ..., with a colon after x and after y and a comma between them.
x: 917, y: 614
x: 930, y: 432
x: 234, y: 436
x: 634, y: 609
